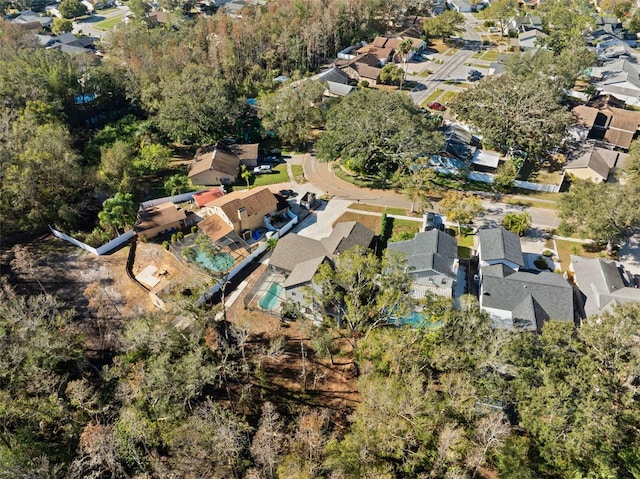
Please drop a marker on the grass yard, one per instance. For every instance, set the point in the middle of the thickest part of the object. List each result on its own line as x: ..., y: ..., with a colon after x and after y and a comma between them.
x: 449, y: 96
x: 279, y: 175
x: 464, y: 252
x: 396, y: 211
x: 531, y: 203
x: 366, y: 207
x: 437, y: 45
x: 567, y: 248
x: 466, y: 240
x: 106, y: 11
x: 371, y: 222
x: 298, y: 173
x: 432, y: 97
x: 108, y: 23
x: 489, y: 55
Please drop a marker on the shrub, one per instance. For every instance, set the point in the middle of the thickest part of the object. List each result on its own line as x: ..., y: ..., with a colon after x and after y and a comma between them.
x: 489, y: 23
x: 547, y: 253
x: 174, y: 238
x: 541, y: 263
x: 194, y: 229
x: 165, y: 245
x: 179, y: 235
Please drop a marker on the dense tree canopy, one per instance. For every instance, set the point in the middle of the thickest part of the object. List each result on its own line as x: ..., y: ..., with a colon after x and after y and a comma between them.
x: 512, y: 113
x: 375, y: 131
x: 605, y: 212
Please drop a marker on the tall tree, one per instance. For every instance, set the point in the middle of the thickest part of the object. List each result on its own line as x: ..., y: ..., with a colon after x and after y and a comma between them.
x: 293, y: 111
x: 502, y: 10
x: 374, y: 132
x: 364, y: 291
x: 72, y: 8
x: 445, y: 25
x: 196, y: 107
x: 605, y: 212
x: 460, y: 207
x: 118, y: 212
x: 510, y: 113
x: 404, y: 48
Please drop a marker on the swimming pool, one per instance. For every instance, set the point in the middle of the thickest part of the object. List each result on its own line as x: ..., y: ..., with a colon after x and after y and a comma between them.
x: 217, y: 263
x: 270, y: 299
x: 416, y: 320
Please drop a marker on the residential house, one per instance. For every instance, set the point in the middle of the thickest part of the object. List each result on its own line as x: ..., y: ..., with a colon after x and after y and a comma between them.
x: 516, y: 298
x: 220, y: 164
x: 68, y: 43
x: 164, y: 218
x: 620, y: 78
x: 382, y: 48
x: 593, y: 163
x: 613, y: 126
x: 530, y: 39
x: 462, y: 6
x: 609, y: 24
x: 30, y: 18
x: 298, y: 258
x: 362, y: 68
x: 241, y: 213
x: 432, y: 262
x: 611, y: 47
x: 207, y: 196
x: 603, y: 284
x: 337, y: 82
x: 523, y: 24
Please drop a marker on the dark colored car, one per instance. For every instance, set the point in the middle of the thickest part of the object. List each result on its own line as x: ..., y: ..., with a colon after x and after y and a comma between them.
x: 287, y: 193
x: 434, y: 105
x: 474, y: 75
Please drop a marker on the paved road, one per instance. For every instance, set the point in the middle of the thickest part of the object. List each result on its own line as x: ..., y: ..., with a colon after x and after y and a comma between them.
x: 85, y: 27
x: 325, y: 181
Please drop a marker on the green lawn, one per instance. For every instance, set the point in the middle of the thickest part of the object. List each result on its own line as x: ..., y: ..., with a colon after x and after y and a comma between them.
x: 108, y: 23
x: 432, y: 97
x: 489, y: 55
x: 298, y: 173
x: 396, y: 211
x: 567, y: 248
x: 449, y: 96
x: 464, y: 252
x: 106, y: 11
x: 279, y: 175
x: 466, y: 240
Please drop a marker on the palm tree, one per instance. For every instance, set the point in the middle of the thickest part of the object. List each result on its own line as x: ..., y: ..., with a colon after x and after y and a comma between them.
x: 404, y: 48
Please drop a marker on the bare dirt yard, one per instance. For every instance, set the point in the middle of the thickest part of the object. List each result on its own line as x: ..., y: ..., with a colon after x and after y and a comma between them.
x: 104, y: 297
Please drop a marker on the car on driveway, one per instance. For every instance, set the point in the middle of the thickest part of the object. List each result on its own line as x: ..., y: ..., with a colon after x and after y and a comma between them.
x: 259, y: 170
x: 434, y: 105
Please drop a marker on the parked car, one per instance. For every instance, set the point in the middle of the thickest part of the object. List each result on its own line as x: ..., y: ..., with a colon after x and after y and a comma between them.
x: 474, y: 75
x: 287, y: 193
x: 258, y: 170
x: 434, y: 105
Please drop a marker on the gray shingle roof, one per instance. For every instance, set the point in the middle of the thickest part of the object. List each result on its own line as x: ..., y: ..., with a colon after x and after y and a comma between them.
x: 294, y: 249
x: 429, y: 250
x: 531, y: 298
x: 498, y: 243
x: 303, y: 272
x: 346, y: 235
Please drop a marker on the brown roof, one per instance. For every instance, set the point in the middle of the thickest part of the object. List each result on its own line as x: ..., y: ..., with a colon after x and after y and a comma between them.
x: 247, y: 152
x: 381, y: 53
x: 602, y: 101
x: 215, y: 227
x: 254, y: 201
x: 624, y: 119
x: 213, y: 157
x: 619, y: 138
x: 159, y: 215
x: 586, y: 115
x: 393, y: 43
x: 380, y: 42
x: 598, y: 160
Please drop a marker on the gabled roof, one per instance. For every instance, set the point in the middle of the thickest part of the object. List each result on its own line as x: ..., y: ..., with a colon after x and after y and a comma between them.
x: 431, y: 250
x: 29, y: 16
x: 303, y: 272
x: 531, y: 298
x: 215, y: 157
x: 602, y: 284
x: 531, y: 34
x: 294, y: 249
x: 254, y: 201
x: 346, y: 235
x: 339, y: 89
x: 599, y: 160
x: 159, y: 215
x: 498, y: 243
x: 215, y: 227
x: 333, y: 74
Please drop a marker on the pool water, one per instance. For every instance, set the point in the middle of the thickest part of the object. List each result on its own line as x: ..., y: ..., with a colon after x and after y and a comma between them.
x: 219, y: 262
x: 416, y: 320
x: 271, y: 297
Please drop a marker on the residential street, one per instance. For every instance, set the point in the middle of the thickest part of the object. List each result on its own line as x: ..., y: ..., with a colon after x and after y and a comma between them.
x: 85, y: 27
x: 326, y: 182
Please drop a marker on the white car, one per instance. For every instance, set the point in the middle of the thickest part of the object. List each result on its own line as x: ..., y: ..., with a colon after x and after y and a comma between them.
x: 258, y: 170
